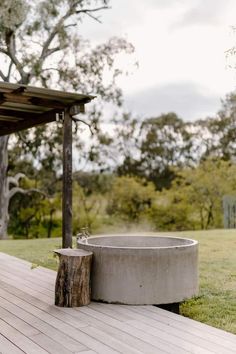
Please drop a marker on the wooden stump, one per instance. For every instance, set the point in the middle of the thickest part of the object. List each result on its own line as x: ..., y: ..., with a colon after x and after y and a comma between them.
x: 73, y: 278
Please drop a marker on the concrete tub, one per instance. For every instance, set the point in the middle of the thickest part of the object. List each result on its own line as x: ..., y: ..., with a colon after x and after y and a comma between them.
x: 142, y: 270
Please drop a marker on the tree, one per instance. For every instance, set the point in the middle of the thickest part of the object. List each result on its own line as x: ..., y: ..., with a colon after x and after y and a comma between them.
x: 130, y: 198
x: 203, y: 189
x: 166, y: 143
x: 221, y: 137
x: 40, y: 45
x: 152, y: 149
x: 88, y: 208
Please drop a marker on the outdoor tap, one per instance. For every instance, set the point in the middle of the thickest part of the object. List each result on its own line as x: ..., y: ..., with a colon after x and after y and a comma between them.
x: 84, y: 234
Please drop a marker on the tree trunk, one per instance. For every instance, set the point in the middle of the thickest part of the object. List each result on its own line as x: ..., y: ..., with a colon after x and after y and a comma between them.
x: 50, y: 224
x: 73, y: 278
x: 4, y: 198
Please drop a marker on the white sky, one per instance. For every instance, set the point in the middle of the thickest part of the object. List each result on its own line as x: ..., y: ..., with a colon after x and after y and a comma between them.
x: 180, y: 46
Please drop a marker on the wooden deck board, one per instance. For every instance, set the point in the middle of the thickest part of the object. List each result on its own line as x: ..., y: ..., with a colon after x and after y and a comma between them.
x: 30, y: 323
x: 8, y: 347
x: 181, y: 332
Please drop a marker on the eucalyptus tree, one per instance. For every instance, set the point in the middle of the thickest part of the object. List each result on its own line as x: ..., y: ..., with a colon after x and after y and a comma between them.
x: 40, y: 45
x: 160, y: 145
x: 220, y: 140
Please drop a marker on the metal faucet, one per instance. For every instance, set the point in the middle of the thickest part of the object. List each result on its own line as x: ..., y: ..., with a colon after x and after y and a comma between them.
x: 83, y: 234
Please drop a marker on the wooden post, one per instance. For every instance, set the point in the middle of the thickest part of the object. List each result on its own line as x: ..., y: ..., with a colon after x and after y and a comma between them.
x: 73, y: 278
x: 67, y: 182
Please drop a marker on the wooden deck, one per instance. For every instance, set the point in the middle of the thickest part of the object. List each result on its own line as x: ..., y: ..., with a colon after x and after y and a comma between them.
x: 30, y: 323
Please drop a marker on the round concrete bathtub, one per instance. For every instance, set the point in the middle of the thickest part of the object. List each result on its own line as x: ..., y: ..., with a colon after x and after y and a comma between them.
x: 142, y: 270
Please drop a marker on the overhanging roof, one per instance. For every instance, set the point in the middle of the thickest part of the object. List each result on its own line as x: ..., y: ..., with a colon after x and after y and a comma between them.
x: 23, y: 107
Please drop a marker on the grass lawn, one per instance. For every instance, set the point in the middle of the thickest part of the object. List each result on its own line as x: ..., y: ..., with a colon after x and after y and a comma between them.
x: 216, y: 303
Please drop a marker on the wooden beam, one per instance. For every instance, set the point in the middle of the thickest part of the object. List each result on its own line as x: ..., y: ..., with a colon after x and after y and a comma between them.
x: 22, y: 98
x: 29, y: 100
x: 47, y: 103
x: 76, y: 109
x: 12, y: 113
x: 8, y: 120
x: 67, y: 182
x: 36, y: 119
x: 19, y: 90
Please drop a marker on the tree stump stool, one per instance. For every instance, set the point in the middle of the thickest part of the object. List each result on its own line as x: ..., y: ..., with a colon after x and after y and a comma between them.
x: 72, y: 287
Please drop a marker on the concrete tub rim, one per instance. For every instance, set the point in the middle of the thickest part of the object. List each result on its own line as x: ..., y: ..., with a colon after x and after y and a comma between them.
x: 85, y: 241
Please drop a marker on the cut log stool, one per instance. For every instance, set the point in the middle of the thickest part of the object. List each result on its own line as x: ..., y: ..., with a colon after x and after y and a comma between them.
x: 73, y: 278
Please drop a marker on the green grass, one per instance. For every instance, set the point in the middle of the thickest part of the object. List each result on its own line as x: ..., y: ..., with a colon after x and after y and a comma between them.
x: 216, y: 302
x: 36, y: 251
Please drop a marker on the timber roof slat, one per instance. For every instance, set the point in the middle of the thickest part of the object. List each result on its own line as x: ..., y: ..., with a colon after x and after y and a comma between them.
x: 29, y: 123
x: 23, y: 107
x: 9, y: 114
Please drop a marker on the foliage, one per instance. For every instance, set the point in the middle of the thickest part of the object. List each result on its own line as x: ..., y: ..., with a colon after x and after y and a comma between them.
x: 151, y: 148
x: 175, y: 216
x: 88, y: 209
x: 93, y: 182
x: 34, y: 215
x: 130, y: 198
x: 203, y: 188
x: 218, y: 134
x: 194, y: 200
x: 165, y: 143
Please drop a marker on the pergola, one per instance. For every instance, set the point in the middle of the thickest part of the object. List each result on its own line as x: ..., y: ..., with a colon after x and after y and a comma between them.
x: 23, y: 107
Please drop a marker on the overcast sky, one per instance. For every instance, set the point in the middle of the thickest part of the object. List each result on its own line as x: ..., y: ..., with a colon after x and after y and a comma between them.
x: 180, y: 46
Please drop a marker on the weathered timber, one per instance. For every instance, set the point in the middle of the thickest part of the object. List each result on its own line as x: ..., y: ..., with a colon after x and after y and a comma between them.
x: 67, y: 182
x: 72, y: 287
x: 37, y: 119
x: 28, y: 100
x: 76, y: 109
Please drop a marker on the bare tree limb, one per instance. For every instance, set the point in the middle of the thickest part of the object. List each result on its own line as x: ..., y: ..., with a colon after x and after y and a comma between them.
x: 3, y: 51
x: 71, y: 11
x: 15, y: 190
x: 9, y: 71
x: 46, y: 51
x: 82, y: 121
x: 11, y: 52
x: 15, y: 180
x: 93, y: 17
x: 92, y: 10
x: 3, y: 76
x: 50, y: 68
x: 53, y: 50
x: 70, y: 25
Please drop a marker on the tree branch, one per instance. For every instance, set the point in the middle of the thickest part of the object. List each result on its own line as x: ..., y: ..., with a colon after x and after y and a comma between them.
x: 93, y: 17
x: 71, y: 11
x: 15, y: 190
x: 9, y: 71
x: 15, y: 180
x: 92, y: 10
x: 53, y: 50
x: 3, y: 76
x: 3, y: 51
x: 11, y: 52
x: 50, y: 68
x: 46, y: 51
x: 82, y: 121
x: 88, y: 12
